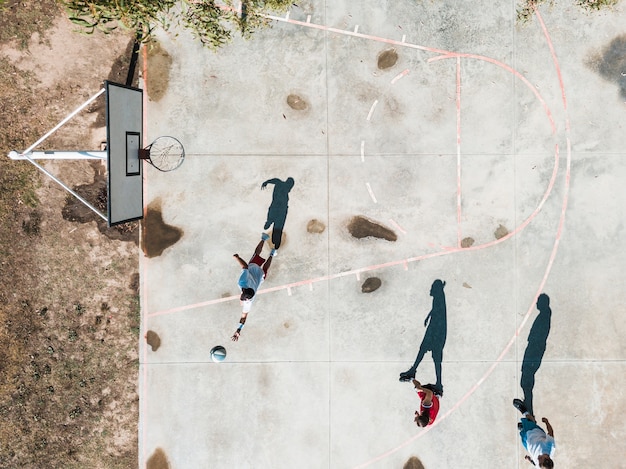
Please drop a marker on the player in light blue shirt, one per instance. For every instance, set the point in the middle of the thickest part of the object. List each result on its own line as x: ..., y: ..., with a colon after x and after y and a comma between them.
x: 252, y: 275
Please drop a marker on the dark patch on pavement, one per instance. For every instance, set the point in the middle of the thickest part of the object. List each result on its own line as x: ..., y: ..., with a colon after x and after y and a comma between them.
x: 158, y: 460
x: 501, y: 232
x: 361, y: 227
x: 96, y: 194
x: 611, y: 63
x: 315, y: 226
x: 467, y: 242
x: 371, y: 284
x: 297, y: 102
x: 387, y: 59
x: 159, y: 65
x: 158, y: 235
x: 153, y: 340
x: 413, y: 463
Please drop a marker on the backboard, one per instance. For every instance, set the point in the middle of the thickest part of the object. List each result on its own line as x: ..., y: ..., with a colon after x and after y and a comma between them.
x: 124, y: 118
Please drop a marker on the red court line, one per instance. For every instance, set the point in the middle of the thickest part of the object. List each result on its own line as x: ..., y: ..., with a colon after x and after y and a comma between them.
x: 355, y: 34
x: 541, y: 284
x: 448, y: 251
x: 458, y: 150
x: 143, y: 279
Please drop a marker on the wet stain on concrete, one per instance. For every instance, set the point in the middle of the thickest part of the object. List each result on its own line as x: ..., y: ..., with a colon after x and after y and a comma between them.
x: 297, y: 103
x: 159, y: 65
x: 158, y: 460
x: 413, y: 463
x: 371, y: 284
x: 611, y: 63
x: 153, y: 340
x: 501, y: 232
x: 361, y: 227
x: 315, y: 226
x: 158, y: 235
x: 387, y: 59
x: 467, y: 242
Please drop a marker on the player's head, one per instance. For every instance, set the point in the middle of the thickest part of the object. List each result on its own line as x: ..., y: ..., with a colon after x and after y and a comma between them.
x: 422, y: 420
x: 246, y: 294
x: 545, y: 461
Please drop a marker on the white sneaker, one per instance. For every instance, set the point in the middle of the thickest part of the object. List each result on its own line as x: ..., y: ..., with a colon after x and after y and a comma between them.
x: 274, y: 252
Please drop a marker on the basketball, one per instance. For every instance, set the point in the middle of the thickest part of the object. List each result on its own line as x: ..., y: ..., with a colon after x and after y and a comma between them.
x: 218, y: 354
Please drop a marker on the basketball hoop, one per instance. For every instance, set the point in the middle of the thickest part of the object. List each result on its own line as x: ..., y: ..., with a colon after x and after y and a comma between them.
x: 165, y: 153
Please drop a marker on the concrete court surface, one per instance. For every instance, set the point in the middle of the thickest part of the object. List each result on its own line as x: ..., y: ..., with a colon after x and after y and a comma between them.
x: 494, y: 151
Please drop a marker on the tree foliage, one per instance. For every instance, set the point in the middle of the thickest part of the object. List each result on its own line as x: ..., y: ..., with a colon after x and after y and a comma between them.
x: 211, y: 22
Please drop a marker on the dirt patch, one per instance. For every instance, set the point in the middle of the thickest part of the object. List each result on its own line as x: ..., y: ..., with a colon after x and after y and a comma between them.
x: 158, y: 460
x: 371, y: 284
x: 501, y: 232
x: 158, y: 235
x: 361, y: 227
x: 153, y: 340
x: 387, y: 59
x: 467, y: 242
x: 69, y: 323
x: 297, y: 103
x: 96, y: 194
x: 315, y: 226
x: 159, y: 65
x: 611, y: 63
x: 413, y: 463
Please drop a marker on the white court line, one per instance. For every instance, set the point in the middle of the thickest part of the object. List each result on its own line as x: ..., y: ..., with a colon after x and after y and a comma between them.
x: 398, y: 227
x: 362, y: 150
x: 369, y: 114
x: 369, y: 189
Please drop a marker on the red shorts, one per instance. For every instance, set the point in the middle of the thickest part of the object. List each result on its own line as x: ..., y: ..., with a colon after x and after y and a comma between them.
x: 258, y: 260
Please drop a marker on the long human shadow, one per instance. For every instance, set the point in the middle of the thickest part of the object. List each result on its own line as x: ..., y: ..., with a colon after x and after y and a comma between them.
x: 537, y: 340
x: 434, y: 340
x: 277, y: 213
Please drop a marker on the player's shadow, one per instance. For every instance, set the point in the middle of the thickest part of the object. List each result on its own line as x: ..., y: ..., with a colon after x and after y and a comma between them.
x: 277, y: 213
x: 434, y: 340
x: 537, y: 340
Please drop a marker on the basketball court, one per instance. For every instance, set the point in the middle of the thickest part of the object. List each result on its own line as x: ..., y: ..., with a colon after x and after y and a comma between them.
x: 427, y: 141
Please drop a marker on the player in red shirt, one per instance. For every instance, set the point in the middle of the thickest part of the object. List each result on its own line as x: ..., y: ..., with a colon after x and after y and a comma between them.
x: 429, y: 405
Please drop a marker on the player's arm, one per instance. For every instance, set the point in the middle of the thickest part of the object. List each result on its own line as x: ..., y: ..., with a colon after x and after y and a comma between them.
x: 548, y: 426
x: 244, y: 264
x: 428, y: 394
x: 529, y: 459
x: 242, y: 321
